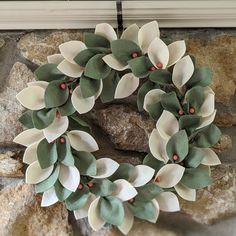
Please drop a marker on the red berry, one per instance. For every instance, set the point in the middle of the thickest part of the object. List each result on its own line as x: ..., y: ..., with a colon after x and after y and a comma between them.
x: 180, y: 112
x: 153, y: 68
x: 62, y: 140
x: 159, y: 65
x: 175, y: 157
x: 131, y: 200
x: 158, y: 179
x: 58, y: 115
x: 134, y: 55
x: 90, y: 184
x: 63, y: 86
x: 80, y: 186
x: 191, y: 110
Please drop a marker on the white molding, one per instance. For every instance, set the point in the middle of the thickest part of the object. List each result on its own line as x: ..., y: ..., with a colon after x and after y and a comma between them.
x: 86, y: 14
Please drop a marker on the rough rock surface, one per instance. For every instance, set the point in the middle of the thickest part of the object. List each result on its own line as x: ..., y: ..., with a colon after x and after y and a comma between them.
x: 224, y: 143
x: 2, y: 43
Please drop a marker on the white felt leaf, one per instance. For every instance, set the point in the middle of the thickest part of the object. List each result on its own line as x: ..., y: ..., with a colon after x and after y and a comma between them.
x: 157, y: 211
x: 55, y: 59
x: 81, y: 104
x: 126, y: 85
x: 106, y: 31
x: 112, y: 62
x: 146, y: 34
x: 32, y: 97
x: 182, y: 72
x: 210, y: 157
x: 69, y: 177
x: 94, y: 218
x: 29, y: 136
x: 167, y: 124
x: 124, y: 190
x: 157, y: 146
x: 69, y: 50
x: 170, y: 175
x: 185, y: 192
x: 131, y: 33
x: 58, y: 127
x: 128, y: 222
x: 168, y: 202
x: 35, y: 174
x: 158, y: 53
x: 49, y: 197
x: 176, y: 51
x: 82, y: 141
x: 99, y: 91
x: 152, y: 97
x: 105, y: 168
x: 69, y: 69
x: 208, y: 106
x: 142, y: 175
x: 204, y: 121
x: 42, y: 84
x: 30, y: 154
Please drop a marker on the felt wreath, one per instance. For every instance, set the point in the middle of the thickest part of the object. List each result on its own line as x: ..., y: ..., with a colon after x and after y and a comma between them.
x: 59, y: 144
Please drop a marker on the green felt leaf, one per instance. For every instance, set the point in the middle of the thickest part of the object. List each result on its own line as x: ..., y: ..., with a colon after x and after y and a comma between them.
x: 155, y: 110
x: 89, y: 87
x: 26, y: 119
x: 196, y: 178
x: 123, y: 49
x: 86, y: 163
x: 48, y: 72
x: 148, y: 192
x: 76, y: 123
x: 43, y: 118
x: 140, y: 66
x: 61, y: 192
x: 170, y: 102
x: 112, y: 210
x: 162, y: 77
x: 84, y: 56
x: 102, y: 187
x: 64, y: 152
x: 54, y: 95
x: 144, y: 89
x: 195, y: 98
x: 125, y: 171
x: 178, y: 145
x: 207, y: 136
x: 201, y: 77
x: 143, y: 210
x: 109, y: 87
x: 93, y: 40
x: 49, y: 182
x: 194, y: 157
x: 96, y: 68
x: 189, y: 123
x: 46, y: 153
x: 67, y: 109
x: 78, y: 199
x: 151, y: 161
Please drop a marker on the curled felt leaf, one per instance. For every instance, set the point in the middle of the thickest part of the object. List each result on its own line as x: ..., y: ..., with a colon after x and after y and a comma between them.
x: 112, y: 62
x: 30, y: 154
x: 151, y: 98
x: 55, y: 59
x: 210, y: 158
x: 176, y: 51
x: 131, y: 33
x: 49, y: 197
x: 106, y: 31
x: 128, y: 221
x: 168, y: 202
x: 185, y: 192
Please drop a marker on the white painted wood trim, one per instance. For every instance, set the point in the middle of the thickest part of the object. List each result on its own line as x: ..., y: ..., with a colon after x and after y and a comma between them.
x: 86, y: 14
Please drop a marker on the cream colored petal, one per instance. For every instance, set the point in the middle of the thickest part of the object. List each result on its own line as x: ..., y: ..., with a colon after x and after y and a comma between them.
x: 112, y: 62
x: 82, y: 141
x: 157, y: 146
x: 32, y: 97
x: 124, y: 190
x: 69, y: 177
x: 35, y: 174
x: 210, y: 157
x: 30, y: 154
x: 182, y: 72
x: 176, y: 52
x: 29, y: 136
x: 69, y: 50
x: 208, y: 106
x: 94, y: 218
x: 207, y: 120
x: 69, y: 69
x: 128, y: 222
x: 167, y: 125
x: 147, y: 33
x: 126, y: 85
x: 170, y: 175
x: 152, y: 97
x: 158, y: 53
x: 131, y: 33
x: 81, y: 104
x: 106, y: 31
x: 55, y: 59
x: 185, y: 192
x: 58, y: 127
x: 155, y: 203
x: 168, y: 202
x: 96, y: 96
x: 105, y: 168
x: 142, y: 175
x: 49, y: 197
x: 42, y: 84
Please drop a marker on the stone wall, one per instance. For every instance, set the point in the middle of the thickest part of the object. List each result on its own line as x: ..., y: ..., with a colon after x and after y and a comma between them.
x: 122, y: 134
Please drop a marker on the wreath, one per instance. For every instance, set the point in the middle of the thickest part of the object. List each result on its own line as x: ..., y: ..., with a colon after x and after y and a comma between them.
x: 59, y: 143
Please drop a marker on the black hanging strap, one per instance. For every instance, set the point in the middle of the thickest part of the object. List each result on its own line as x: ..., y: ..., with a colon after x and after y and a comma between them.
x: 119, y: 16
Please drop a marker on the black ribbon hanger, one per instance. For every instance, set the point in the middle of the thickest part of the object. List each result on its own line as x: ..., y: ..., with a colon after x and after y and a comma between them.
x: 119, y: 13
